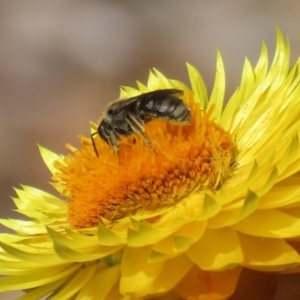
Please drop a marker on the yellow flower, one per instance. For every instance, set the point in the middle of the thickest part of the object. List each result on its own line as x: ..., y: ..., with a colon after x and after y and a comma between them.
x: 218, y: 194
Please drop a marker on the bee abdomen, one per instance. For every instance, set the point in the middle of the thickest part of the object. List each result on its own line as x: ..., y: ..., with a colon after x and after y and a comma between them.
x: 170, y: 109
x: 181, y: 113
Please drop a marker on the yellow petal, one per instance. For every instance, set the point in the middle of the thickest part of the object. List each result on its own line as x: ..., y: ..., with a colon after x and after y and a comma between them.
x: 49, y: 158
x: 269, y: 223
x: 78, y: 243
x: 218, y: 92
x: 216, y: 250
x: 155, y: 83
x: 44, y: 290
x: 262, y: 64
x: 90, y: 254
x: 128, y: 92
x: 235, y: 215
x: 164, y: 82
x: 267, y: 254
x: 173, y: 271
x: 137, y: 277
x: 146, y: 235
x: 205, y: 285
x: 176, y: 84
x: 178, y: 243
x: 22, y: 282
x: 93, y: 290
x: 24, y: 227
x: 108, y: 237
x: 76, y: 283
x: 284, y: 193
x: 202, y: 206
x: 198, y: 86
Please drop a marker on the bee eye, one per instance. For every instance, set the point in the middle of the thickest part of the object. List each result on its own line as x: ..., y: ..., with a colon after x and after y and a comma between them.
x: 104, y: 127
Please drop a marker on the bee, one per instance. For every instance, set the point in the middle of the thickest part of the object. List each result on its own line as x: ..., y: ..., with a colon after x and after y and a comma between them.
x: 125, y: 117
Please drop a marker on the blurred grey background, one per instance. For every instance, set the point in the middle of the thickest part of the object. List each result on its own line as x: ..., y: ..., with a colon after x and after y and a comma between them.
x: 61, y: 62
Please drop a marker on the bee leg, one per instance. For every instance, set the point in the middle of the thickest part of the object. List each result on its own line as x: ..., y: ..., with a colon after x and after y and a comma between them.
x: 109, y: 136
x: 94, y: 144
x: 137, y: 125
x: 113, y: 142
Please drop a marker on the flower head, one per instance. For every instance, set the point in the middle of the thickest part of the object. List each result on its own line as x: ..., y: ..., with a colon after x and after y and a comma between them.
x: 178, y: 221
x: 198, y: 156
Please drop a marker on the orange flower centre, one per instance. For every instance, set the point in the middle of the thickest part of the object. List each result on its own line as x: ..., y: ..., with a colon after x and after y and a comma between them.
x: 188, y: 157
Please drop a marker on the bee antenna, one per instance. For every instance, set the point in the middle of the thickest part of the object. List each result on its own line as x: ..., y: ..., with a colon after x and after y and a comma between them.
x: 94, y: 144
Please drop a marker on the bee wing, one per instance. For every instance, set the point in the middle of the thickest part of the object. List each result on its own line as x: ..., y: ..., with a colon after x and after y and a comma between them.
x: 160, y: 94
x: 119, y: 105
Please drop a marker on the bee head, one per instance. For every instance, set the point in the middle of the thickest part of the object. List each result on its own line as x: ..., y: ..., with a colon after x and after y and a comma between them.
x: 104, y: 131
